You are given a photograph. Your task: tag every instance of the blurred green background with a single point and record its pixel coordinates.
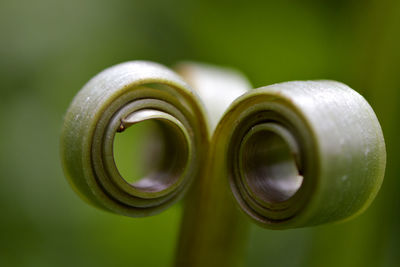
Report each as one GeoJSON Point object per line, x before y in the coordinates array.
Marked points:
{"type": "Point", "coordinates": [49, 49]}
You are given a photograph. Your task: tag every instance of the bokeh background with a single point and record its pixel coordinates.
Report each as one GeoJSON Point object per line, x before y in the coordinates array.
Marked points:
{"type": "Point", "coordinates": [49, 49]}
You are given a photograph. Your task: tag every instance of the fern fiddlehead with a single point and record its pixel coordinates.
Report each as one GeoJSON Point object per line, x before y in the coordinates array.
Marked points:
{"type": "Point", "coordinates": [294, 154]}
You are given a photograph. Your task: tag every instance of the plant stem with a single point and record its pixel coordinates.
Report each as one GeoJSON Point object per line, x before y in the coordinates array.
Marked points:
{"type": "Point", "coordinates": [213, 231]}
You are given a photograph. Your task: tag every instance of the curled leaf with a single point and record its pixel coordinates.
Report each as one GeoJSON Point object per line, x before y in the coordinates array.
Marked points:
{"type": "Point", "coordinates": [301, 153]}
{"type": "Point", "coordinates": [296, 154]}
{"type": "Point", "coordinates": [113, 100]}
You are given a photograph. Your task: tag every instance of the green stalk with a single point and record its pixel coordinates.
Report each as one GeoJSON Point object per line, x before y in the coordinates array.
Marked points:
{"type": "Point", "coordinates": [213, 230]}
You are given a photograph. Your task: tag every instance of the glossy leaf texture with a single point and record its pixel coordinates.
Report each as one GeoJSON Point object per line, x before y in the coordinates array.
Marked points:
{"type": "Point", "coordinates": [296, 154]}
{"type": "Point", "coordinates": [115, 99]}
{"type": "Point", "coordinates": [301, 153]}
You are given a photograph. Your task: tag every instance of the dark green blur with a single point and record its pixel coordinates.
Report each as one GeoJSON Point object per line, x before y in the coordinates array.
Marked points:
{"type": "Point", "coordinates": [49, 49]}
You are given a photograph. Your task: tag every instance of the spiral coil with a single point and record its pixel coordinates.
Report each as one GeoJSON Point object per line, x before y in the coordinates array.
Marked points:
{"type": "Point", "coordinates": [115, 99]}
{"type": "Point", "coordinates": [296, 154]}
{"type": "Point", "coordinates": [302, 153]}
